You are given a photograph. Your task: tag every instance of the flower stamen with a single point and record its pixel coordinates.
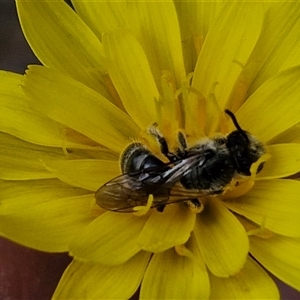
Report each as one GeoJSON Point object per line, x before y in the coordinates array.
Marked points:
{"type": "Point", "coordinates": [141, 210]}
{"type": "Point", "coordinates": [261, 231]}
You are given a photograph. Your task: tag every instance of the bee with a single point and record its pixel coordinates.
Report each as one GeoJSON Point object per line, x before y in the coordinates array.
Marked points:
{"type": "Point", "coordinates": [203, 169]}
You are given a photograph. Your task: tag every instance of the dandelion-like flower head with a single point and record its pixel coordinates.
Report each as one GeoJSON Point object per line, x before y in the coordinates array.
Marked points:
{"type": "Point", "coordinates": [110, 71]}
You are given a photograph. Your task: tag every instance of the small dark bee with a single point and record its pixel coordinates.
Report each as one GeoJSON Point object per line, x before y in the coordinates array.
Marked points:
{"type": "Point", "coordinates": [204, 169]}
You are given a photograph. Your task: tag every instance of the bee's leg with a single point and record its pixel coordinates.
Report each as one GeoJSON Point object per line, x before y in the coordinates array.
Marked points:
{"type": "Point", "coordinates": [181, 151]}
{"type": "Point", "coordinates": [164, 148]}
{"type": "Point", "coordinates": [160, 208]}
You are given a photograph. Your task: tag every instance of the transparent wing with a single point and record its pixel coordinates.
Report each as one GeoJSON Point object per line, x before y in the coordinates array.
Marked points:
{"type": "Point", "coordinates": [125, 192]}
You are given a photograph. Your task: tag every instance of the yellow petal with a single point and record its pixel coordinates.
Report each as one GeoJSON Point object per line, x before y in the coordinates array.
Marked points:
{"type": "Point", "coordinates": [156, 27]}
{"type": "Point", "coordinates": [222, 239]}
{"type": "Point", "coordinates": [92, 153]}
{"type": "Point", "coordinates": [102, 15]}
{"type": "Point", "coordinates": [62, 41]}
{"type": "Point", "coordinates": [276, 49]}
{"type": "Point", "coordinates": [110, 239]}
{"type": "Point", "coordinates": [20, 160]}
{"type": "Point", "coordinates": [291, 135]}
{"type": "Point", "coordinates": [276, 104]}
{"type": "Point", "coordinates": [171, 276]}
{"type": "Point", "coordinates": [167, 229]}
{"type": "Point", "coordinates": [273, 204]}
{"type": "Point", "coordinates": [43, 214]}
{"type": "Point", "coordinates": [75, 105]}
{"type": "Point", "coordinates": [16, 111]}
{"type": "Point", "coordinates": [278, 46]}
{"type": "Point", "coordinates": [228, 44]}
{"type": "Point", "coordinates": [284, 161]}
{"type": "Point", "coordinates": [131, 75]}
{"type": "Point", "coordinates": [280, 256]}
{"type": "Point", "coordinates": [89, 174]}
{"type": "Point", "coordinates": [195, 19]}
{"type": "Point", "coordinates": [252, 282]}
{"type": "Point", "coordinates": [96, 281]}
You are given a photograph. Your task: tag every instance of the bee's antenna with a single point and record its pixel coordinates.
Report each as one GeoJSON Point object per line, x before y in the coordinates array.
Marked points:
{"type": "Point", "coordinates": [236, 124]}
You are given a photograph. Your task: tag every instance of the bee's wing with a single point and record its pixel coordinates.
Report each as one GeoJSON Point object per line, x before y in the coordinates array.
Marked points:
{"type": "Point", "coordinates": [184, 167]}
{"type": "Point", "coordinates": [125, 192]}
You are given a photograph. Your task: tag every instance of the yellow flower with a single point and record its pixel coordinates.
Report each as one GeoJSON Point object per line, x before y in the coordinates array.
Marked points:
{"type": "Point", "coordinates": [112, 69]}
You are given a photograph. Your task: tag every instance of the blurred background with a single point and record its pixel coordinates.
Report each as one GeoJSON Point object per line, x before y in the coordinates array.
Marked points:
{"type": "Point", "coordinates": [26, 274]}
{"type": "Point", "coordinates": [15, 54]}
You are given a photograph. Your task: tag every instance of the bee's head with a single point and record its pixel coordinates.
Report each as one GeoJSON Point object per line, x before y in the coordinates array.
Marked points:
{"type": "Point", "coordinates": [244, 148]}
